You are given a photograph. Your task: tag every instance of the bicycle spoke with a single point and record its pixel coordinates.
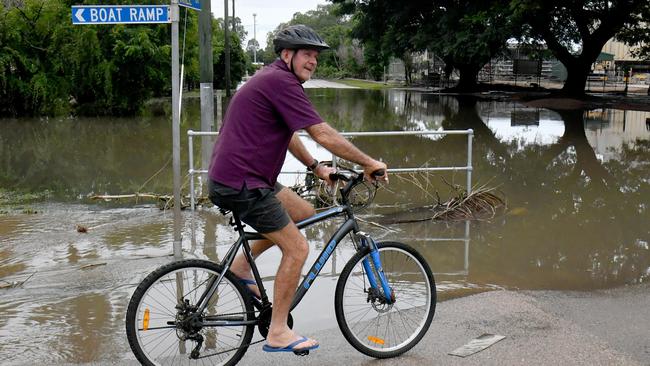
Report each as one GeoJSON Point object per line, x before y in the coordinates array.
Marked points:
{"type": "Point", "coordinates": [161, 343]}
{"type": "Point", "coordinates": [376, 327]}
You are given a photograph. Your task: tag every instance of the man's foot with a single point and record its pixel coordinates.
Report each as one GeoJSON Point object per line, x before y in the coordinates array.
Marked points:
{"type": "Point", "coordinates": [242, 270]}
{"type": "Point", "coordinates": [300, 345]}
{"type": "Point", "coordinates": [296, 347]}
{"type": "Point", "coordinates": [251, 287]}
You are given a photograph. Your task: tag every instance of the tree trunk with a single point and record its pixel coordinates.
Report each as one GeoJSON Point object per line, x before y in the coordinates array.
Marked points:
{"type": "Point", "coordinates": [408, 67]}
{"type": "Point", "coordinates": [468, 77]}
{"type": "Point", "coordinates": [577, 73]}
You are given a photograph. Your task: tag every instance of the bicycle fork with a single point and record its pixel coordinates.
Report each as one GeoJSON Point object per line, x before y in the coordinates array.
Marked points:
{"type": "Point", "coordinates": [373, 260]}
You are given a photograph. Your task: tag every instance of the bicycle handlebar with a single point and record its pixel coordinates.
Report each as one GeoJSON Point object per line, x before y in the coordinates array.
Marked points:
{"type": "Point", "coordinates": [339, 176]}
{"type": "Point", "coordinates": [378, 173]}
{"type": "Point", "coordinates": [352, 178]}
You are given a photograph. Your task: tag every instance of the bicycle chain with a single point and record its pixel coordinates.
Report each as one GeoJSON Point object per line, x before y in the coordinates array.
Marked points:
{"type": "Point", "coordinates": [229, 350]}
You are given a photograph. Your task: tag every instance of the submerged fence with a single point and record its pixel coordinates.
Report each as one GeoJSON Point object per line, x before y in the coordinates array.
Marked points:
{"type": "Point", "coordinates": [468, 168]}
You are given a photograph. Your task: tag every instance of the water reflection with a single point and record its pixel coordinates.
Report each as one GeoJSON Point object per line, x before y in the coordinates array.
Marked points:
{"type": "Point", "coordinates": [80, 329]}
{"type": "Point", "coordinates": [611, 131]}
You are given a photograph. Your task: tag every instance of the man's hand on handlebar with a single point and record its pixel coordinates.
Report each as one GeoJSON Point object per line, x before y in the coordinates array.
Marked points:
{"type": "Point", "coordinates": [376, 172]}
{"type": "Point", "coordinates": [323, 172]}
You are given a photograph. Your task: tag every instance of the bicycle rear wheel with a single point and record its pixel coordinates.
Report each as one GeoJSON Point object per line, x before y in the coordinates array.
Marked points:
{"type": "Point", "coordinates": [386, 330]}
{"type": "Point", "coordinates": [155, 326]}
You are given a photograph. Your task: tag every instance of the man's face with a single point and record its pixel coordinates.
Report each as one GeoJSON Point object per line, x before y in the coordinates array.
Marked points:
{"type": "Point", "coordinates": [304, 62]}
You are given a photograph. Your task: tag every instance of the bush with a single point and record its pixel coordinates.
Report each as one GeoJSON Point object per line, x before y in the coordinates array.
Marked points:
{"type": "Point", "coordinates": [330, 72]}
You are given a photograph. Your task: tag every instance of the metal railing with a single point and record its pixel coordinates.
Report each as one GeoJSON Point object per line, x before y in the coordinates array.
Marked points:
{"type": "Point", "coordinates": [467, 168]}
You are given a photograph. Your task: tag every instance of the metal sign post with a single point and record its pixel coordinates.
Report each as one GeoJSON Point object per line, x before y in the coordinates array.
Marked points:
{"type": "Point", "coordinates": [176, 131]}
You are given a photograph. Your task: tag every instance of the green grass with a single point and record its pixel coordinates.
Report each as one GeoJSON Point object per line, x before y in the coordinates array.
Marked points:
{"type": "Point", "coordinates": [14, 198]}
{"type": "Point", "coordinates": [15, 202]}
{"type": "Point", "coordinates": [364, 84]}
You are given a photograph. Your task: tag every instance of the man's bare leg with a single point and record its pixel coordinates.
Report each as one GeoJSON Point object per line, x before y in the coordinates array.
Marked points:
{"type": "Point", "coordinates": [294, 253]}
{"type": "Point", "coordinates": [297, 208]}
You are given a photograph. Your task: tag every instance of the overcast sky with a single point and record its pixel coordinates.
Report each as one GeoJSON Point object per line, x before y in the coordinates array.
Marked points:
{"type": "Point", "coordinates": [270, 13]}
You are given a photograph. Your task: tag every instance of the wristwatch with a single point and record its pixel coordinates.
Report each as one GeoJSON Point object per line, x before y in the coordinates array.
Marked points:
{"type": "Point", "coordinates": [313, 165]}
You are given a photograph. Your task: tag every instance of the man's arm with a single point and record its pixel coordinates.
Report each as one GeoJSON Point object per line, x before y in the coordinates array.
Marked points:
{"type": "Point", "coordinates": [297, 149]}
{"type": "Point", "coordinates": [330, 139]}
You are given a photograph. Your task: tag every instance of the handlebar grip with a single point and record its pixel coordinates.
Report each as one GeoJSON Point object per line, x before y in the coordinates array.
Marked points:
{"type": "Point", "coordinates": [378, 173]}
{"type": "Point", "coordinates": [337, 176]}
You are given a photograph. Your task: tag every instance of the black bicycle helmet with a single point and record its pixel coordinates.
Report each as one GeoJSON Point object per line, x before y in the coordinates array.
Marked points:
{"type": "Point", "coordinates": [299, 36]}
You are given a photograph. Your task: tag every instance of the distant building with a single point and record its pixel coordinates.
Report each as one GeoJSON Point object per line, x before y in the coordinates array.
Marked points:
{"type": "Point", "coordinates": [621, 57]}
{"type": "Point", "coordinates": [526, 64]}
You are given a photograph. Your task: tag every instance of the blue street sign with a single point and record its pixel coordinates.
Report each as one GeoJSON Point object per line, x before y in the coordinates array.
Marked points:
{"type": "Point", "coordinates": [193, 4]}
{"type": "Point", "coordinates": [120, 14]}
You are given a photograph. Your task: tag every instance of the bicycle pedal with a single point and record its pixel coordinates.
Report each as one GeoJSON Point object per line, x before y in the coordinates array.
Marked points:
{"type": "Point", "coordinates": [301, 353]}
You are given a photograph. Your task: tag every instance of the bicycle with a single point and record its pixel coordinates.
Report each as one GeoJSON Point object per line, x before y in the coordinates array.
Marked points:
{"type": "Point", "coordinates": [193, 310]}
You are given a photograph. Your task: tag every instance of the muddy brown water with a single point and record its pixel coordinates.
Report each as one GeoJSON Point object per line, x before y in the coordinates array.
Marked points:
{"type": "Point", "coordinates": [577, 186]}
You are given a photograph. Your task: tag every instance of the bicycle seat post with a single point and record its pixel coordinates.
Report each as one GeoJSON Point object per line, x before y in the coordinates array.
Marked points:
{"type": "Point", "coordinates": [236, 223]}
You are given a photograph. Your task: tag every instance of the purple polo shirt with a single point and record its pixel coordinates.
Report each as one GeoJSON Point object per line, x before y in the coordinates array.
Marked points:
{"type": "Point", "coordinates": [260, 121]}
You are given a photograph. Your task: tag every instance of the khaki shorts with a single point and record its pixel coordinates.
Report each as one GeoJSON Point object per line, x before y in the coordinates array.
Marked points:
{"type": "Point", "coordinates": [258, 207]}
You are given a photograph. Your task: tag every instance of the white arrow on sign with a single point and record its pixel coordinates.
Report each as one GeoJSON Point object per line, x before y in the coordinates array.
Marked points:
{"type": "Point", "coordinates": [79, 14]}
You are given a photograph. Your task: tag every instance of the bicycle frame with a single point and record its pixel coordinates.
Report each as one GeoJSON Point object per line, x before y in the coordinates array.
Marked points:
{"type": "Point", "coordinates": [350, 225]}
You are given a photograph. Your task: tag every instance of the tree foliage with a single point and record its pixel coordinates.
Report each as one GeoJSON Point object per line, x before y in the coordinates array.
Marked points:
{"type": "Point", "coordinates": [480, 31]}
{"type": "Point", "coordinates": [237, 55]}
{"type": "Point", "coordinates": [48, 66]}
{"type": "Point", "coordinates": [637, 33]}
{"type": "Point", "coordinates": [465, 34]}
{"type": "Point", "coordinates": [30, 69]}
{"type": "Point", "coordinates": [346, 55]}
{"type": "Point", "coordinates": [576, 31]}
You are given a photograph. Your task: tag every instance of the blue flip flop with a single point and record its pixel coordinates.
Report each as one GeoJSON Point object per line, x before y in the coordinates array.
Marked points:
{"type": "Point", "coordinates": [246, 282]}
{"type": "Point", "coordinates": [291, 347]}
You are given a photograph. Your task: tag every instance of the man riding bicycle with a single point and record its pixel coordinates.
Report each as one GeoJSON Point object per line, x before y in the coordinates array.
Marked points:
{"type": "Point", "coordinates": [260, 125]}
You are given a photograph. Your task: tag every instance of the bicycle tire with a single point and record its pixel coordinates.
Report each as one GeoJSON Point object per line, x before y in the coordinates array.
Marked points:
{"type": "Point", "coordinates": [354, 313]}
{"type": "Point", "coordinates": [157, 297]}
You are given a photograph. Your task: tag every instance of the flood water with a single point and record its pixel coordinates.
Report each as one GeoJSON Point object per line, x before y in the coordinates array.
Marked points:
{"type": "Point", "coordinates": [576, 183]}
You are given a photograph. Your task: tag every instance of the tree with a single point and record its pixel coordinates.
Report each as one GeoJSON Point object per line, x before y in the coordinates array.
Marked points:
{"type": "Point", "coordinates": [237, 56]}
{"type": "Point", "coordinates": [576, 31]}
{"type": "Point", "coordinates": [48, 66]}
{"type": "Point", "coordinates": [335, 29]}
{"type": "Point", "coordinates": [384, 29]}
{"type": "Point", "coordinates": [32, 71]}
{"type": "Point", "coordinates": [251, 49]}
{"type": "Point", "coordinates": [466, 34]}
{"type": "Point", "coordinates": [239, 28]}
{"type": "Point", "coordinates": [637, 33]}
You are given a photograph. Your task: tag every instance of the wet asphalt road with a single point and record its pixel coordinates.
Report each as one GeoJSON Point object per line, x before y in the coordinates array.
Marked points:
{"type": "Point", "coordinates": [541, 328]}
{"type": "Point", "coordinates": [319, 83]}
{"type": "Point", "coordinates": [609, 327]}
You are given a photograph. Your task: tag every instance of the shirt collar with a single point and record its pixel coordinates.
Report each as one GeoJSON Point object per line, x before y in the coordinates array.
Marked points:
{"type": "Point", "coordinates": [281, 65]}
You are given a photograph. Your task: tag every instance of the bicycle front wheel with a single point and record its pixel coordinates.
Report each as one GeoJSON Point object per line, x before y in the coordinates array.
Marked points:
{"type": "Point", "coordinates": [386, 330]}
{"type": "Point", "coordinates": [164, 328]}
